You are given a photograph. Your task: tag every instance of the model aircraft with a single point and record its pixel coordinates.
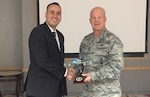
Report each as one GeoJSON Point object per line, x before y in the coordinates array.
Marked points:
{"type": "Point", "coordinates": [76, 61]}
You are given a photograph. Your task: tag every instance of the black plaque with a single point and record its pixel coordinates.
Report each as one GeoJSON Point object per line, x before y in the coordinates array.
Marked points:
{"type": "Point", "coordinates": [79, 79]}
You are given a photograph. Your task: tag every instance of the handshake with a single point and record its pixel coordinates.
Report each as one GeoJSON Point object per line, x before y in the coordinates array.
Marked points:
{"type": "Point", "coordinates": [70, 74]}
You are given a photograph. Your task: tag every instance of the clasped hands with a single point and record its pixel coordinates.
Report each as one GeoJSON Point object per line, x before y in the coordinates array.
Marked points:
{"type": "Point", "coordinates": [71, 75]}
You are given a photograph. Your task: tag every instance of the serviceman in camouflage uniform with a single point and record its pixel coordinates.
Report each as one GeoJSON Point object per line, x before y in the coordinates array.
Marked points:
{"type": "Point", "coordinates": [105, 50]}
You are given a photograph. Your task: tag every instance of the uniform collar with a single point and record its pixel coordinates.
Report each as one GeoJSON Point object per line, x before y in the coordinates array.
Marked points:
{"type": "Point", "coordinates": [100, 37]}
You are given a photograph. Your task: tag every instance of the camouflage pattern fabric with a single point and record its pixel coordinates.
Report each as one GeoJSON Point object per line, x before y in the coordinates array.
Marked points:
{"type": "Point", "coordinates": [106, 55]}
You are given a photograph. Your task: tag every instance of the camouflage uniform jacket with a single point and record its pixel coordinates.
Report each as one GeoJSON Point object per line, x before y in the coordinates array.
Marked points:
{"type": "Point", "coordinates": [106, 55]}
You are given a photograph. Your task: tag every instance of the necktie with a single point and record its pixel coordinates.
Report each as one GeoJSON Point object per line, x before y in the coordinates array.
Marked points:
{"type": "Point", "coordinates": [54, 34]}
{"type": "Point", "coordinates": [57, 40]}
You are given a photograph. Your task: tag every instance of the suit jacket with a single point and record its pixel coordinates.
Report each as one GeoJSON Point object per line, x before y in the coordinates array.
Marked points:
{"type": "Point", "coordinates": [45, 77]}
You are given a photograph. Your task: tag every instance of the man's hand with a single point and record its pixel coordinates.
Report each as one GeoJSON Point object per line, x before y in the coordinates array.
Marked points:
{"type": "Point", "coordinates": [88, 77]}
{"type": "Point", "coordinates": [70, 74]}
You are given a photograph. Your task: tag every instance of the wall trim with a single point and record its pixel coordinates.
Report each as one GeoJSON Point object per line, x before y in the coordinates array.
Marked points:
{"type": "Point", "coordinates": [126, 68]}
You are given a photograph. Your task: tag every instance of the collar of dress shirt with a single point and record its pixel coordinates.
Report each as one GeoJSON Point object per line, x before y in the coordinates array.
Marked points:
{"type": "Point", "coordinates": [52, 30]}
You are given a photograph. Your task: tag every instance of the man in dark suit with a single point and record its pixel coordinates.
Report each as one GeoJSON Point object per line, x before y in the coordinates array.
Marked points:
{"type": "Point", "coordinates": [46, 75]}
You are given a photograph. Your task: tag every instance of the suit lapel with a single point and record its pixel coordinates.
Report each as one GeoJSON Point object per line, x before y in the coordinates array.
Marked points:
{"type": "Point", "coordinates": [51, 35]}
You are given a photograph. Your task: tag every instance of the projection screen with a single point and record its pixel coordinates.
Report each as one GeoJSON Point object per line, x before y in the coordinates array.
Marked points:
{"type": "Point", "coordinates": [125, 18]}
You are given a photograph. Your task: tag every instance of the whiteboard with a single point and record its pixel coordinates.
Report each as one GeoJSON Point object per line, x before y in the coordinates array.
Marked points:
{"type": "Point", "coordinates": [125, 18]}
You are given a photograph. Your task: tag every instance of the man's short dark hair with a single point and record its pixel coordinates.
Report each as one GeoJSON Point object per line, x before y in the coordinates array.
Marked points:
{"type": "Point", "coordinates": [53, 3]}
